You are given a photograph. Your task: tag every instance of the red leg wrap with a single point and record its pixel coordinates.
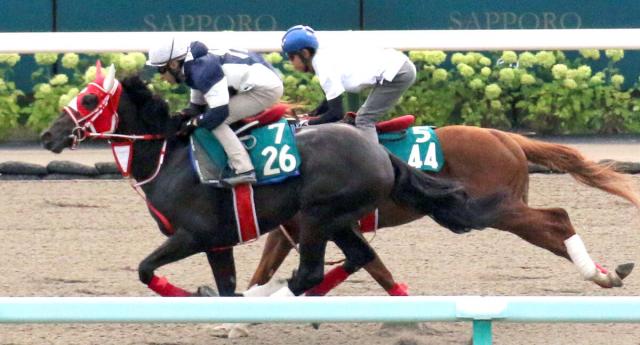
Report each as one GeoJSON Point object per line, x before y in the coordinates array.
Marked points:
{"type": "Point", "coordinates": [399, 289]}
{"type": "Point", "coordinates": [162, 287]}
{"type": "Point", "coordinates": [332, 279]}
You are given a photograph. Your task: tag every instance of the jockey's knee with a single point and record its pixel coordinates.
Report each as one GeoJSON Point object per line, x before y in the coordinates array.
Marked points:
{"type": "Point", "coordinates": [366, 120]}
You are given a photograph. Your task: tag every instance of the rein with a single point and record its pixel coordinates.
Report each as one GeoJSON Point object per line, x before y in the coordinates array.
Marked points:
{"type": "Point", "coordinates": [125, 171]}
{"type": "Point", "coordinates": [82, 132]}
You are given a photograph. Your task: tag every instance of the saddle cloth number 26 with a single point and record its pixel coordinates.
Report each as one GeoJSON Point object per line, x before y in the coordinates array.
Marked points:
{"type": "Point", "coordinates": [285, 161]}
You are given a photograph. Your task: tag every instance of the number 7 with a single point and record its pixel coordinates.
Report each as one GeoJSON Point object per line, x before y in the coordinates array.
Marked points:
{"type": "Point", "coordinates": [280, 130]}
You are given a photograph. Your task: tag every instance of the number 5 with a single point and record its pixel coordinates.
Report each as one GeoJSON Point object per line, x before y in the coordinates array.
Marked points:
{"type": "Point", "coordinates": [424, 132]}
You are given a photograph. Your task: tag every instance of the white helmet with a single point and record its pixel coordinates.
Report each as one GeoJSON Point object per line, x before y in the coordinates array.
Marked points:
{"type": "Point", "coordinates": [169, 49]}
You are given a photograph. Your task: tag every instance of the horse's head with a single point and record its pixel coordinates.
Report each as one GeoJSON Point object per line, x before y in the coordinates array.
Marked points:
{"type": "Point", "coordinates": [93, 111]}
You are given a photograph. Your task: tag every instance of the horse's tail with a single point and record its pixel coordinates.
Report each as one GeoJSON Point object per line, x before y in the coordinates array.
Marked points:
{"type": "Point", "coordinates": [443, 199]}
{"type": "Point", "coordinates": [569, 160]}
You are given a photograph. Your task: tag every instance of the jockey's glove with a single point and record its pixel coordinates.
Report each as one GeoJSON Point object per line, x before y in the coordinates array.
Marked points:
{"type": "Point", "coordinates": [192, 110]}
{"type": "Point", "coordinates": [187, 128]}
{"type": "Point", "coordinates": [302, 123]}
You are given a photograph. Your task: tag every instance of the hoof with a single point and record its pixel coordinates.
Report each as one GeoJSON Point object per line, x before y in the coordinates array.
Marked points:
{"type": "Point", "coordinates": [239, 330]}
{"type": "Point", "coordinates": [231, 330]}
{"type": "Point", "coordinates": [205, 291]}
{"type": "Point", "coordinates": [624, 270]}
{"type": "Point", "coordinates": [608, 280]}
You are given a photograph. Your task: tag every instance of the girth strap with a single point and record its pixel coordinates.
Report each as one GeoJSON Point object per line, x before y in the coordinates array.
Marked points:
{"type": "Point", "coordinates": [245, 213]}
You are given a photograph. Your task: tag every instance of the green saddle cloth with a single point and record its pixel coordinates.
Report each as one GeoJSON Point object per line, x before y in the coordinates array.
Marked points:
{"type": "Point", "coordinates": [272, 149]}
{"type": "Point", "coordinates": [418, 146]}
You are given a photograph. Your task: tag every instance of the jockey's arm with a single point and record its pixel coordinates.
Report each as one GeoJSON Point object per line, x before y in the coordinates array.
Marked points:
{"type": "Point", "coordinates": [320, 108]}
{"type": "Point", "coordinates": [213, 117]}
{"type": "Point", "coordinates": [333, 113]}
{"type": "Point", "coordinates": [216, 101]}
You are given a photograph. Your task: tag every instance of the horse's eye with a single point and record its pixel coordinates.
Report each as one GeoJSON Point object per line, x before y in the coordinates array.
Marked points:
{"type": "Point", "coordinates": [89, 101]}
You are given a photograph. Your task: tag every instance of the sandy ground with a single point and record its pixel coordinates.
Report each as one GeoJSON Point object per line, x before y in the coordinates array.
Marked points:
{"type": "Point", "coordinates": [86, 238]}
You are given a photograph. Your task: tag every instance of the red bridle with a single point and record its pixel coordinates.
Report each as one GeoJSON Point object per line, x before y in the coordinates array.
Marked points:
{"type": "Point", "coordinates": [101, 120]}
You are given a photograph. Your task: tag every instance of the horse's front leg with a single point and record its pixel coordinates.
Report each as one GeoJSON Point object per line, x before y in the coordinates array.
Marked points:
{"type": "Point", "coordinates": [224, 271]}
{"type": "Point", "coordinates": [276, 249]}
{"type": "Point", "coordinates": [223, 267]}
{"type": "Point", "coordinates": [176, 247]}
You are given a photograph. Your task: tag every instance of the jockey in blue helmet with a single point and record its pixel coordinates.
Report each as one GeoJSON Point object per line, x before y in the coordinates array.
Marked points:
{"type": "Point", "coordinates": [387, 72]}
{"type": "Point", "coordinates": [227, 85]}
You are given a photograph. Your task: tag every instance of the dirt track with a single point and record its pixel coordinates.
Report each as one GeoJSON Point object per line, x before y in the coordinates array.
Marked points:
{"type": "Point", "coordinates": [86, 238]}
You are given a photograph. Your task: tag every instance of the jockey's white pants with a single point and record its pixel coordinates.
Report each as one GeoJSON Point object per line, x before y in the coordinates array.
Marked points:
{"type": "Point", "coordinates": [242, 105]}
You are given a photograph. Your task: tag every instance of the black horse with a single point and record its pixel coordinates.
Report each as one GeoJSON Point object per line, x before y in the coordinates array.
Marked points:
{"type": "Point", "coordinates": [343, 177]}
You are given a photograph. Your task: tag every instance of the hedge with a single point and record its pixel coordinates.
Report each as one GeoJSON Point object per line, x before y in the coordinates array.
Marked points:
{"type": "Point", "coordinates": [544, 92]}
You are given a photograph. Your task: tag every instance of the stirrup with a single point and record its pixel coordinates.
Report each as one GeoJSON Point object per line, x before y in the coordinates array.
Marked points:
{"type": "Point", "coordinates": [236, 179]}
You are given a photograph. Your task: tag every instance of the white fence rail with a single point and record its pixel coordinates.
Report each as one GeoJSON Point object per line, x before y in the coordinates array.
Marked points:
{"type": "Point", "coordinates": [482, 311]}
{"type": "Point", "coordinates": [266, 41]}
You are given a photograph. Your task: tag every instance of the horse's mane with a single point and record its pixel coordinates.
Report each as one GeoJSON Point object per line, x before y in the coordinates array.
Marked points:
{"type": "Point", "coordinates": [152, 109]}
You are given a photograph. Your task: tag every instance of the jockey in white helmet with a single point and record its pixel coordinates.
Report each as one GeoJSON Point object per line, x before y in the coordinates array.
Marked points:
{"type": "Point", "coordinates": [226, 86]}
{"type": "Point", "coordinates": [387, 72]}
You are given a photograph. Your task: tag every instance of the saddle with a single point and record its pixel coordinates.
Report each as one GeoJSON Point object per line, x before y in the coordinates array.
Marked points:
{"type": "Point", "coordinates": [268, 116]}
{"type": "Point", "coordinates": [269, 140]}
{"type": "Point", "coordinates": [401, 123]}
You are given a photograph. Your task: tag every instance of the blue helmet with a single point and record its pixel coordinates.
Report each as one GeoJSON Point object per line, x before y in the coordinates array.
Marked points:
{"type": "Point", "coordinates": [298, 38]}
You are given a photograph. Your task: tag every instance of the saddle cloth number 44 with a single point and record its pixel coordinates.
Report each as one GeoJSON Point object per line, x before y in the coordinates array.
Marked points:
{"type": "Point", "coordinates": [415, 157]}
{"type": "Point", "coordinates": [418, 146]}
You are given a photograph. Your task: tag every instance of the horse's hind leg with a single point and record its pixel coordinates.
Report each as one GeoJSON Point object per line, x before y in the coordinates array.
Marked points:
{"type": "Point", "coordinates": [313, 242]}
{"type": "Point", "coordinates": [360, 254]}
{"type": "Point", "coordinates": [311, 267]}
{"type": "Point", "coordinates": [551, 229]}
{"type": "Point", "coordinates": [176, 247]}
{"type": "Point", "coordinates": [375, 267]}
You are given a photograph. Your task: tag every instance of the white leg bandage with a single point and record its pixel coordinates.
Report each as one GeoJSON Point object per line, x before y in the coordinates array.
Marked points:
{"type": "Point", "coordinates": [578, 254]}
{"type": "Point", "coordinates": [265, 290]}
{"type": "Point", "coordinates": [283, 292]}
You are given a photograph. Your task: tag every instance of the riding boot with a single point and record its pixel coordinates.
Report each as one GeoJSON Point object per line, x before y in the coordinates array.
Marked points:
{"type": "Point", "coordinates": [243, 170]}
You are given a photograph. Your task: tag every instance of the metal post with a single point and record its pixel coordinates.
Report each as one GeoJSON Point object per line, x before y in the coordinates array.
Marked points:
{"type": "Point", "coordinates": [482, 334]}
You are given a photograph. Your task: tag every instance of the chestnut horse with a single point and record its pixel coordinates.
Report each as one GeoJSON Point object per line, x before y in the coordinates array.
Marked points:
{"type": "Point", "coordinates": [487, 160]}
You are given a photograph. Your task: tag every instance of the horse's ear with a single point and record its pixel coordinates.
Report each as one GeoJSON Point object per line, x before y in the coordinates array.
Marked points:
{"type": "Point", "coordinates": [109, 80]}
{"type": "Point", "coordinates": [98, 69]}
